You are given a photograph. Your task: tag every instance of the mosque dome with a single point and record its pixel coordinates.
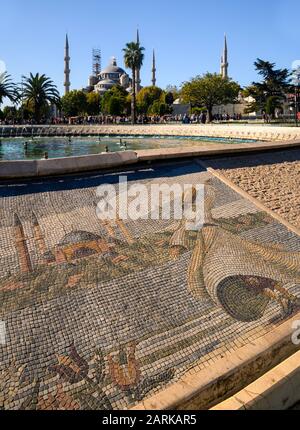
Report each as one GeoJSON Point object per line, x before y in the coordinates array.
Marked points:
{"type": "Point", "coordinates": [113, 69]}
{"type": "Point", "coordinates": [78, 237]}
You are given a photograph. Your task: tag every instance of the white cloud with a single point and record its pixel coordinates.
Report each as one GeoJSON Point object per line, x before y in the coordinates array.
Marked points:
{"type": "Point", "coordinates": [295, 64]}
{"type": "Point", "coordinates": [2, 67]}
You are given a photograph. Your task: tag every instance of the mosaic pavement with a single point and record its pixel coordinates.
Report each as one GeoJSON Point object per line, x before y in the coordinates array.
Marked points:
{"type": "Point", "coordinates": [103, 315]}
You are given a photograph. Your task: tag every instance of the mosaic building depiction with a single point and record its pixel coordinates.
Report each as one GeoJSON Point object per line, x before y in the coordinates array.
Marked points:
{"type": "Point", "coordinates": [103, 314]}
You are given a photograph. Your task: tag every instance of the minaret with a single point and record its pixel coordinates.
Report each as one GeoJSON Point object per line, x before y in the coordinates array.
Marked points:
{"type": "Point", "coordinates": [138, 72]}
{"type": "Point", "coordinates": [153, 70]}
{"type": "Point", "coordinates": [38, 236]}
{"type": "Point", "coordinates": [67, 67]}
{"type": "Point", "coordinates": [21, 245]}
{"type": "Point", "coordinates": [224, 61]}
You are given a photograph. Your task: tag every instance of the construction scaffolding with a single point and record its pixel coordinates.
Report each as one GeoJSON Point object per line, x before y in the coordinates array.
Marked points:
{"type": "Point", "coordinates": [96, 61]}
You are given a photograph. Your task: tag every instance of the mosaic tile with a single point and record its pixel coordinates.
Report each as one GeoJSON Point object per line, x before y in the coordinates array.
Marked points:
{"type": "Point", "coordinates": [101, 315]}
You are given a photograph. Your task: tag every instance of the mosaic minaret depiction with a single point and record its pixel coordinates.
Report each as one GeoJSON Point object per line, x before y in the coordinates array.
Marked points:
{"type": "Point", "coordinates": [21, 245]}
{"type": "Point", "coordinates": [153, 70]}
{"type": "Point", "coordinates": [138, 71]}
{"type": "Point", "coordinates": [224, 60]}
{"type": "Point", "coordinates": [67, 83]}
{"type": "Point", "coordinates": [38, 235]}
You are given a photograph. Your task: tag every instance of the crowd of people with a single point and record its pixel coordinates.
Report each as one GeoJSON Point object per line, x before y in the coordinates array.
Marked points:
{"type": "Point", "coordinates": [200, 118]}
{"type": "Point", "coordinates": [144, 119]}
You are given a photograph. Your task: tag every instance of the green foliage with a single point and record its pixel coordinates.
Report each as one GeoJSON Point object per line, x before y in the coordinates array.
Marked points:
{"type": "Point", "coordinates": [172, 89]}
{"type": "Point", "coordinates": [210, 90]}
{"type": "Point", "coordinates": [115, 106]}
{"type": "Point", "coordinates": [158, 108]}
{"type": "Point", "coordinates": [74, 103]}
{"type": "Point", "coordinates": [146, 97]}
{"type": "Point", "coordinates": [114, 101]}
{"type": "Point", "coordinates": [198, 110]}
{"type": "Point", "coordinates": [10, 112]}
{"type": "Point", "coordinates": [93, 104]}
{"type": "Point", "coordinates": [169, 98]}
{"type": "Point", "coordinates": [38, 93]}
{"type": "Point", "coordinates": [270, 93]}
{"type": "Point", "coordinates": [7, 88]}
{"type": "Point", "coordinates": [154, 101]}
{"type": "Point", "coordinates": [272, 104]}
{"type": "Point", "coordinates": [133, 59]}
{"type": "Point", "coordinates": [133, 56]}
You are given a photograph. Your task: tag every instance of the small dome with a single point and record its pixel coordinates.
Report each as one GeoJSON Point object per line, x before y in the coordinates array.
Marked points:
{"type": "Point", "coordinates": [106, 82]}
{"type": "Point", "coordinates": [78, 237]}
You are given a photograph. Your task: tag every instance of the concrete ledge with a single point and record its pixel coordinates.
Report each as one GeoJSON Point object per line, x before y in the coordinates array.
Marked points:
{"type": "Point", "coordinates": [278, 389]}
{"type": "Point", "coordinates": [57, 166]}
{"type": "Point", "coordinates": [18, 169]}
{"type": "Point", "coordinates": [205, 388]}
{"type": "Point", "coordinates": [212, 149]}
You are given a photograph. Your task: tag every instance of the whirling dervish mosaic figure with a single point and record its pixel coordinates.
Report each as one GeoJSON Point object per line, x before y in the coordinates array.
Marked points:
{"type": "Point", "coordinates": [241, 276]}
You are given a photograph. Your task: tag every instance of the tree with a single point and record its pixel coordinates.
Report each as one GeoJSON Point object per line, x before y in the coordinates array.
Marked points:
{"type": "Point", "coordinates": [7, 88]}
{"type": "Point", "coordinates": [133, 58]}
{"type": "Point", "coordinates": [158, 108]}
{"type": "Point", "coordinates": [269, 94]}
{"type": "Point", "coordinates": [172, 89]}
{"type": "Point", "coordinates": [39, 92]}
{"type": "Point", "coordinates": [74, 103]}
{"type": "Point", "coordinates": [210, 90]}
{"type": "Point", "coordinates": [93, 103]}
{"type": "Point", "coordinates": [146, 97]}
{"type": "Point", "coordinates": [169, 98]}
{"type": "Point", "coordinates": [113, 101]}
{"type": "Point", "coordinates": [10, 112]}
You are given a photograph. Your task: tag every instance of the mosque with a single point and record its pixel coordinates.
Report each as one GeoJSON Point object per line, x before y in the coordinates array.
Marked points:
{"type": "Point", "coordinates": [108, 77]}
{"type": "Point", "coordinates": [103, 80]}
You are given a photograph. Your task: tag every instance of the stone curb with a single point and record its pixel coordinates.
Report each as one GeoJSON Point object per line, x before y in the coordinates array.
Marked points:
{"type": "Point", "coordinates": [278, 389]}
{"type": "Point", "coordinates": [205, 388]}
{"type": "Point", "coordinates": [212, 150]}
{"type": "Point", "coordinates": [58, 166]}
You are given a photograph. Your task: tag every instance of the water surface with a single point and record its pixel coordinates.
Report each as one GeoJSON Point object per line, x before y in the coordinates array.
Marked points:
{"type": "Point", "coordinates": [57, 147]}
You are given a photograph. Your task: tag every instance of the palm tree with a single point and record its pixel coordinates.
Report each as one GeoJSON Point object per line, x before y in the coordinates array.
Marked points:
{"type": "Point", "coordinates": [133, 58]}
{"type": "Point", "coordinates": [38, 92]}
{"type": "Point", "coordinates": [7, 88]}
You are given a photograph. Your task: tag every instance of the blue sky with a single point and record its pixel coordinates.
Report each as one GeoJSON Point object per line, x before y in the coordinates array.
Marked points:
{"type": "Point", "coordinates": [187, 36]}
